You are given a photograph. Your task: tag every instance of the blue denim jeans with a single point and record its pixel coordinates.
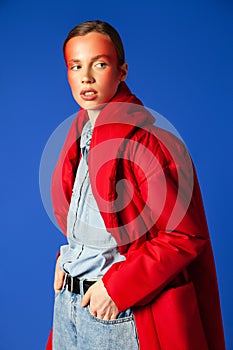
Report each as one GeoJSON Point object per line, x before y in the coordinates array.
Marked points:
{"type": "Point", "coordinates": [74, 328]}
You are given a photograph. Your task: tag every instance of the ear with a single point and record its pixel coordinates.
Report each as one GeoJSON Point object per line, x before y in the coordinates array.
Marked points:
{"type": "Point", "coordinates": [123, 71]}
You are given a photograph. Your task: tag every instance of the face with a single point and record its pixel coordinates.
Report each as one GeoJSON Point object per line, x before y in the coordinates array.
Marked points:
{"type": "Point", "coordinates": [93, 70]}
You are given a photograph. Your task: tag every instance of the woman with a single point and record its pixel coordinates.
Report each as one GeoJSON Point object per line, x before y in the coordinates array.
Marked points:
{"type": "Point", "coordinates": [137, 270]}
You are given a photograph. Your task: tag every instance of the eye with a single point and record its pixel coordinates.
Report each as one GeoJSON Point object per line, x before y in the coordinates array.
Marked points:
{"type": "Point", "coordinates": [75, 67]}
{"type": "Point", "coordinates": [101, 65]}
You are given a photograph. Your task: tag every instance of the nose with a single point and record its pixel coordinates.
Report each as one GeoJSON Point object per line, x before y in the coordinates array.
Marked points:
{"type": "Point", "coordinates": [87, 77]}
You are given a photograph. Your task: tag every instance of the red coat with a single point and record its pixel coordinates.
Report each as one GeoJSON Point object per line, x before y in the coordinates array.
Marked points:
{"type": "Point", "coordinates": [148, 194]}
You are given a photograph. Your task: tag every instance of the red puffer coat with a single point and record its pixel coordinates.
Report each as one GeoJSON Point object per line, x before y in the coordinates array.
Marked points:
{"type": "Point", "coordinates": [148, 194]}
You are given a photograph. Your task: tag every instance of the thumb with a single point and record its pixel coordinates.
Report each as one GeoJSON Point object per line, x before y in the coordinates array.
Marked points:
{"type": "Point", "coordinates": [59, 279]}
{"type": "Point", "coordinates": [59, 276]}
{"type": "Point", "coordinates": [86, 298]}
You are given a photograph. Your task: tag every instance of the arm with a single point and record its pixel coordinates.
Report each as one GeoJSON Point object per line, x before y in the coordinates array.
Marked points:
{"type": "Point", "coordinates": [170, 245]}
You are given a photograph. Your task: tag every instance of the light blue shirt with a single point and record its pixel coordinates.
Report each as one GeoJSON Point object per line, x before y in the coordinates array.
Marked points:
{"type": "Point", "coordinates": [91, 249]}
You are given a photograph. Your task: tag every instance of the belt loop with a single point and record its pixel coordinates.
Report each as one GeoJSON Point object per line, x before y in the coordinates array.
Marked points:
{"type": "Point", "coordinates": [72, 284]}
{"type": "Point", "coordinates": [81, 286]}
{"type": "Point", "coordinates": [65, 281]}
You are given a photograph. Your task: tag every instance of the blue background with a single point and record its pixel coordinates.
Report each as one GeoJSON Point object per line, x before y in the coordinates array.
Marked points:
{"type": "Point", "coordinates": [180, 56]}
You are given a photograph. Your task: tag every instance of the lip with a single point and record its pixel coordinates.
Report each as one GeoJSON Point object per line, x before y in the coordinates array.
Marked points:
{"type": "Point", "coordinates": [88, 97]}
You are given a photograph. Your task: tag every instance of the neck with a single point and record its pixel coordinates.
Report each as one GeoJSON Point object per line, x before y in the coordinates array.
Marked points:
{"type": "Point", "coordinates": [93, 114]}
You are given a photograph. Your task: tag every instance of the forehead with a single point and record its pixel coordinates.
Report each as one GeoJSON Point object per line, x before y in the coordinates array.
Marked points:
{"type": "Point", "coordinates": [88, 46]}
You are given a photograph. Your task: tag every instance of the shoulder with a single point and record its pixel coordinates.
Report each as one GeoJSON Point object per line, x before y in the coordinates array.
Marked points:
{"type": "Point", "coordinates": [160, 142]}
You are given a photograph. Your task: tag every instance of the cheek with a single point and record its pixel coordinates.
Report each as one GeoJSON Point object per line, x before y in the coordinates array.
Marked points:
{"type": "Point", "coordinates": [73, 82]}
{"type": "Point", "coordinates": [111, 80]}
{"type": "Point", "coordinates": [70, 80]}
{"type": "Point", "coordinates": [111, 74]}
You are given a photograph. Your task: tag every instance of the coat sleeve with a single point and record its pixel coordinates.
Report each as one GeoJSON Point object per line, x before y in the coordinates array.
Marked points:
{"type": "Point", "coordinates": [167, 183]}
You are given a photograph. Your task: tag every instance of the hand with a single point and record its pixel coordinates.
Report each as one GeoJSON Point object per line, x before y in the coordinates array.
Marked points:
{"type": "Point", "coordinates": [58, 277]}
{"type": "Point", "coordinates": [100, 303]}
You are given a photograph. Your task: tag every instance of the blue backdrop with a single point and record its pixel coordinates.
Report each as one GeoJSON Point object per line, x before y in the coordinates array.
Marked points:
{"type": "Point", "coordinates": [180, 56]}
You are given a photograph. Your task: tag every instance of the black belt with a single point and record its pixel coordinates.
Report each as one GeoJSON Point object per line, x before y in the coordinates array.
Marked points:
{"type": "Point", "coordinates": [73, 284]}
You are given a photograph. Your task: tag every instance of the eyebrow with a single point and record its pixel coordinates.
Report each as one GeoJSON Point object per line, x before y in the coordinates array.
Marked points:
{"type": "Point", "coordinates": [73, 60]}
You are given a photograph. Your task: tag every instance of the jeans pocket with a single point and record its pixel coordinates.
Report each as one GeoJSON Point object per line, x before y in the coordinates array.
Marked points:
{"type": "Point", "coordinates": [56, 294]}
{"type": "Point", "coordinates": [125, 316]}
{"type": "Point", "coordinates": [59, 292]}
{"type": "Point", "coordinates": [117, 334]}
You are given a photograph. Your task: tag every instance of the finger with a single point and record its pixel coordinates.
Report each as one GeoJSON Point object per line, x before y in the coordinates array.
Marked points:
{"type": "Point", "coordinates": [86, 298]}
{"type": "Point", "coordinates": [103, 316]}
{"type": "Point", "coordinates": [106, 317]}
{"type": "Point", "coordinates": [113, 316]}
{"type": "Point", "coordinates": [58, 276]}
{"type": "Point", "coordinates": [59, 280]}
{"type": "Point", "coordinates": [93, 313]}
